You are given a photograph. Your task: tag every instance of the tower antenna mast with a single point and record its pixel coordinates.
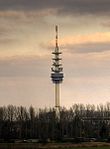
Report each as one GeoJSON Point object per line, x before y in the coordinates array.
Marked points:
{"type": "Point", "coordinates": [56, 27]}
{"type": "Point", "coordinates": [57, 72]}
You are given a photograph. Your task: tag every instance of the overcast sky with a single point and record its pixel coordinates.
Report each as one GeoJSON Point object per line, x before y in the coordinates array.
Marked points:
{"type": "Point", "coordinates": [27, 38]}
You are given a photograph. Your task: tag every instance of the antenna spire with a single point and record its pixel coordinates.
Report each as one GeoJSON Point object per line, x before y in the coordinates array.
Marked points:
{"type": "Point", "coordinates": [56, 28]}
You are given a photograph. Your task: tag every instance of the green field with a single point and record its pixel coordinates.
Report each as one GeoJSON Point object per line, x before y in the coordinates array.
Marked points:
{"type": "Point", "coordinates": [96, 145]}
{"type": "Point", "coordinates": [62, 148]}
{"type": "Point", "coordinates": [87, 148]}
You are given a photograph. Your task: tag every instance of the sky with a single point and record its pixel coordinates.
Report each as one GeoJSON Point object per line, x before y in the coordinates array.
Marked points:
{"type": "Point", "coordinates": [27, 39]}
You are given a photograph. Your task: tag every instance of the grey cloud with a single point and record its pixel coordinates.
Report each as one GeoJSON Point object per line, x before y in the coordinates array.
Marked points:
{"type": "Point", "coordinates": [106, 24]}
{"type": "Point", "coordinates": [62, 6]}
{"type": "Point", "coordinates": [23, 67]}
{"type": "Point", "coordinates": [88, 48]}
{"type": "Point", "coordinates": [8, 41]}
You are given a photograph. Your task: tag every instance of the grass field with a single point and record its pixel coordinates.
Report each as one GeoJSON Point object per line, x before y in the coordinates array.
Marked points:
{"type": "Point", "coordinates": [87, 148]}
{"type": "Point", "coordinates": [94, 145]}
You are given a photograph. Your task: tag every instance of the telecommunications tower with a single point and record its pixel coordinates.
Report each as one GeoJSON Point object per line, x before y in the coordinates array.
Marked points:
{"type": "Point", "coordinates": [57, 71]}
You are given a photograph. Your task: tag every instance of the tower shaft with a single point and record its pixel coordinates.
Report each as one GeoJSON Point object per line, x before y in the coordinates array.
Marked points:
{"type": "Point", "coordinates": [57, 95]}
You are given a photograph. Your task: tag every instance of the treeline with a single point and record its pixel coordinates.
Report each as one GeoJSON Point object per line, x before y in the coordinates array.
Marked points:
{"type": "Point", "coordinates": [86, 121]}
